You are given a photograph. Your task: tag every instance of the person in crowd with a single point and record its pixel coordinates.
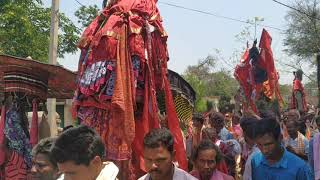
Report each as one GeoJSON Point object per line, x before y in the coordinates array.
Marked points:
{"type": "Point", "coordinates": [159, 155]}
{"type": "Point", "coordinates": [235, 129]}
{"type": "Point", "coordinates": [274, 161]}
{"type": "Point", "coordinates": [314, 152]}
{"type": "Point", "coordinates": [194, 134]}
{"type": "Point", "coordinates": [216, 120]}
{"type": "Point", "coordinates": [228, 121]}
{"type": "Point", "coordinates": [298, 98]}
{"type": "Point", "coordinates": [80, 153]}
{"type": "Point", "coordinates": [43, 166]}
{"type": "Point", "coordinates": [249, 147]}
{"type": "Point", "coordinates": [293, 115]}
{"type": "Point", "coordinates": [296, 143]}
{"type": "Point", "coordinates": [197, 123]}
{"type": "Point", "coordinates": [210, 134]}
{"type": "Point", "coordinates": [231, 151]}
{"type": "Point", "coordinates": [206, 157]}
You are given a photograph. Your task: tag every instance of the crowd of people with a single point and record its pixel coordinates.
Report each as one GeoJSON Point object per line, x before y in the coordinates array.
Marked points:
{"type": "Point", "coordinates": [219, 147]}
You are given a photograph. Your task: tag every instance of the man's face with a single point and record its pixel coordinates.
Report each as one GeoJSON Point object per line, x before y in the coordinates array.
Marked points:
{"type": "Point", "coordinates": [158, 162]}
{"type": "Point", "coordinates": [73, 171]}
{"type": "Point", "coordinates": [292, 129]}
{"type": "Point", "coordinates": [227, 117]}
{"type": "Point", "coordinates": [206, 163]}
{"type": "Point", "coordinates": [42, 168]}
{"type": "Point", "coordinates": [197, 124]}
{"type": "Point", "coordinates": [292, 116]}
{"type": "Point", "coordinates": [268, 146]}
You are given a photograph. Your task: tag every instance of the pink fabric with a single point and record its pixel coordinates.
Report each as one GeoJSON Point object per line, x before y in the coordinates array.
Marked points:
{"type": "Point", "coordinates": [2, 137]}
{"type": "Point", "coordinates": [216, 175]}
{"type": "Point", "coordinates": [316, 156]}
{"type": "Point", "coordinates": [34, 125]}
{"type": "Point", "coordinates": [237, 131]}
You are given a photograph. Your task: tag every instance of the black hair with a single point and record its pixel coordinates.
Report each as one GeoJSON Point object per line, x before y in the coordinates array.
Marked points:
{"type": "Point", "coordinates": [159, 137]}
{"type": "Point", "coordinates": [299, 74]}
{"type": "Point", "coordinates": [67, 127]}
{"type": "Point", "coordinates": [267, 114]}
{"type": "Point", "coordinates": [198, 117]}
{"type": "Point", "coordinates": [248, 126]}
{"type": "Point", "coordinates": [80, 145]}
{"type": "Point", "coordinates": [209, 131]}
{"type": "Point", "coordinates": [44, 147]}
{"type": "Point", "coordinates": [267, 126]}
{"type": "Point", "coordinates": [206, 145]}
{"type": "Point", "coordinates": [216, 117]}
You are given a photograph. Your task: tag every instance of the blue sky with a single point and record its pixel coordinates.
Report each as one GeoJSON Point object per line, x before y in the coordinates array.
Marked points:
{"type": "Point", "coordinates": [193, 36]}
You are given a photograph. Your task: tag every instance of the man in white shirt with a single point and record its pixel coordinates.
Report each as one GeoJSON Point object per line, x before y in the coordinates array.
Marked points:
{"type": "Point", "coordinates": [249, 148]}
{"type": "Point", "coordinates": [79, 153]}
{"type": "Point", "coordinates": [159, 155]}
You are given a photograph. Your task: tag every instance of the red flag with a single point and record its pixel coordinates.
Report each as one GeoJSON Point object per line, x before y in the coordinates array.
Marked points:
{"type": "Point", "coordinates": [243, 73]}
{"type": "Point", "coordinates": [266, 60]}
{"type": "Point", "coordinates": [174, 127]}
{"type": "Point", "coordinates": [34, 124]}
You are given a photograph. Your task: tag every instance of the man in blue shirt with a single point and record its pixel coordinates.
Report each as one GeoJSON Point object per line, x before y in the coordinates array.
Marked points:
{"type": "Point", "coordinates": [274, 161]}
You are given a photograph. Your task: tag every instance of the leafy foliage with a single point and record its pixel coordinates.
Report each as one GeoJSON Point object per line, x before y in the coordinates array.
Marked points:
{"type": "Point", "coordinates": [209, 82]}
{"type": "Point", "coordinates": [302, 35]}
{"type": "Point", "coordinates": [86, 14]}
{"type": "Point", "coordinates": [25, 30]}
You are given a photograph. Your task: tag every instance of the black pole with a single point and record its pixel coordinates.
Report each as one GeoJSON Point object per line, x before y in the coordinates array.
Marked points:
{"type": "Point", "coordinates": [318, 77]}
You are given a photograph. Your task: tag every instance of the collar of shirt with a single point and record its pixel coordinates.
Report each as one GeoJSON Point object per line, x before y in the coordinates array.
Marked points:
{"type": "Point", "coordinates": [282, 163]}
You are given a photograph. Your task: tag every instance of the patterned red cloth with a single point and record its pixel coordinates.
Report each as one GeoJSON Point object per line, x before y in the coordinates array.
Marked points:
{"type": "Point", "coordinates": [127, 31]}
{"type": "Point", "coordinates": [244, 77]}
{"type": "Point", "coordinates": [16, 168]}
{"type": "Point", "coordinates": [2, 136]}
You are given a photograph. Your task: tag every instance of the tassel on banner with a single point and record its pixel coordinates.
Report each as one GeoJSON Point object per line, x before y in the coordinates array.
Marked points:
{"type": "Point", "coordinates": [34, 131]}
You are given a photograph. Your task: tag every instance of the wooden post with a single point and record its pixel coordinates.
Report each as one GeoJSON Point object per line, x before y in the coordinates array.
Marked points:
{"type": "Point", "coordinates": [53, 49]}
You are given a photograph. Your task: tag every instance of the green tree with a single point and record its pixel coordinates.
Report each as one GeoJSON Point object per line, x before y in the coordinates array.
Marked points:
{"type": "Point", "coordinates": [25, 30]}
{"type": "Point", "coordinates": [208, 81]}
{"type": "Point", "coordinates": [86, 14]}
{"type": "Point", "coordinates": [285, 91]}
{"type": "Point", "coordinates": [222, 84]}
{"type": "Point", "coordinates": [302, 35]}
{"type": "Point", "coordinates": [199, 87]}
